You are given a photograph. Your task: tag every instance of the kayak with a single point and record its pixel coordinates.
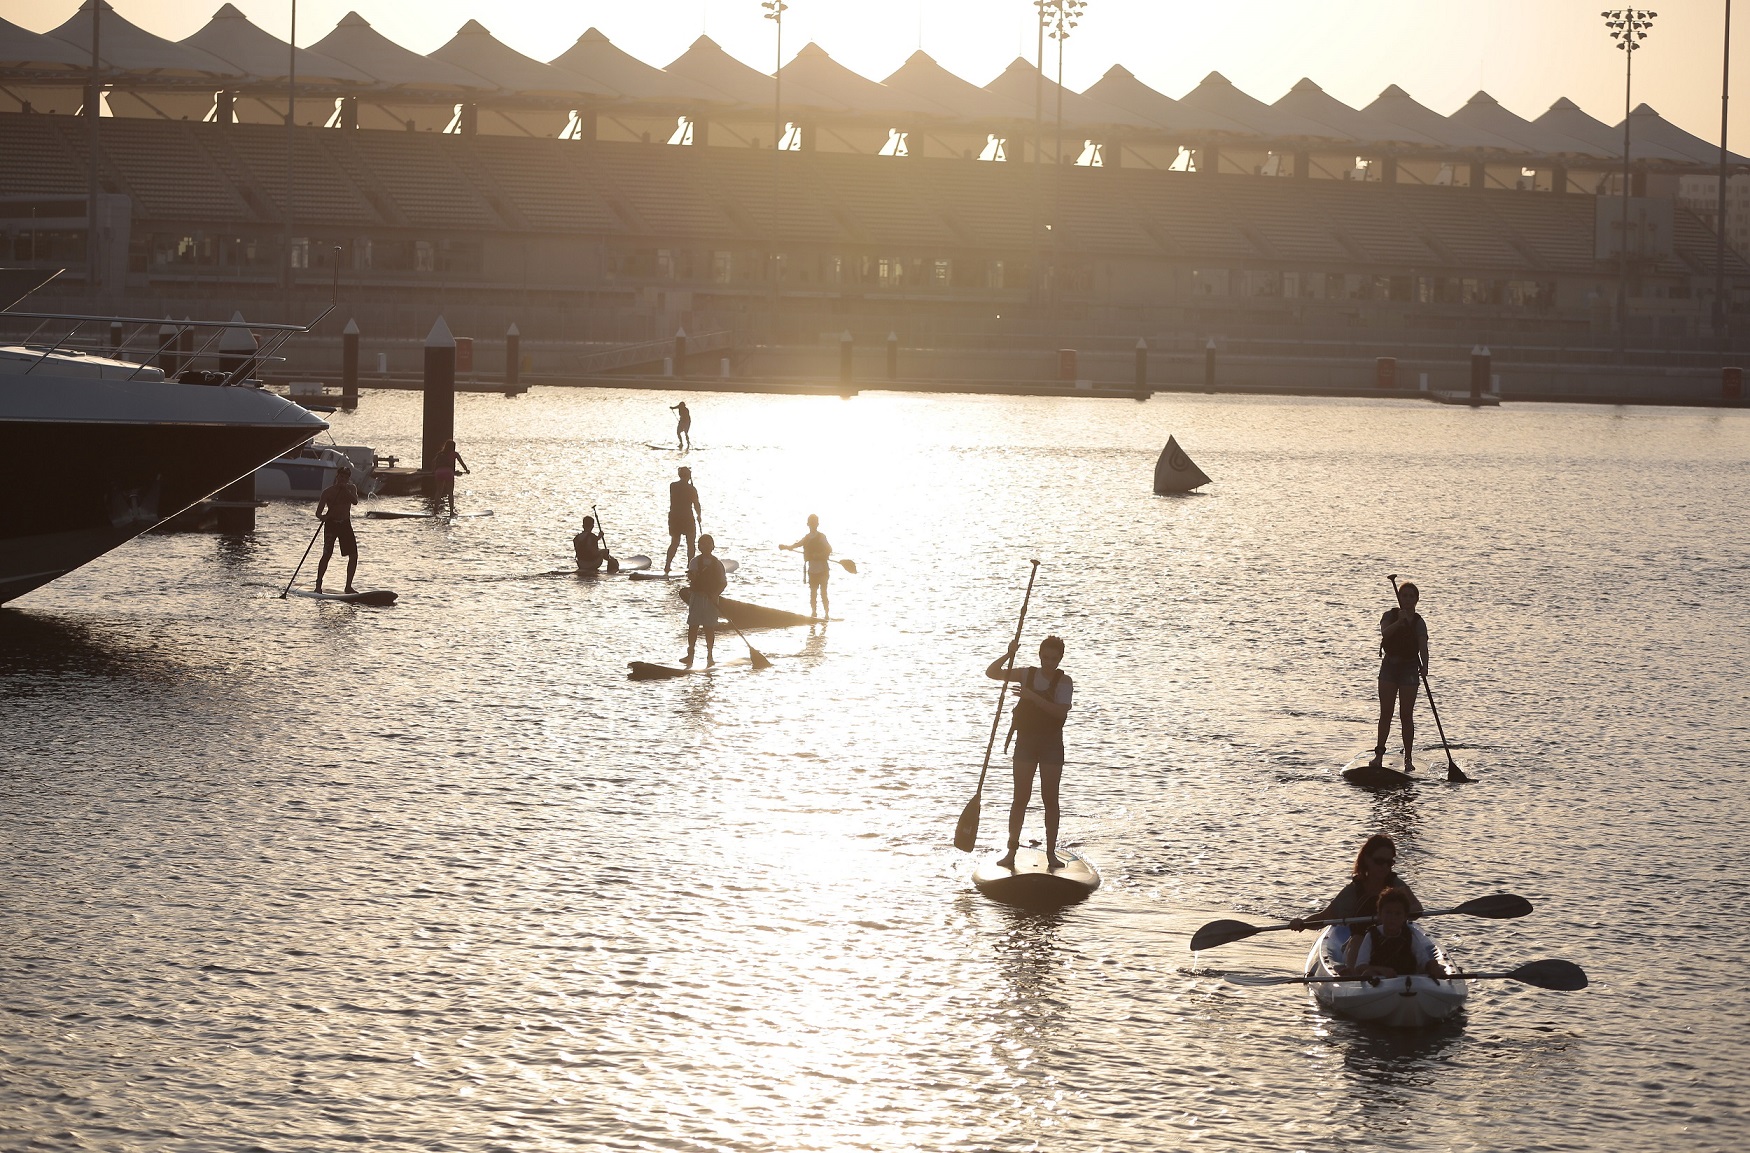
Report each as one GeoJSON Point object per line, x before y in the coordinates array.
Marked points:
{"type": "Point", "coordinates": [385, 514]}
{"type": "Point", "coordinates": [1401, 1002]}
{"type": "Point", "coordinates": [1030, 884]}
{"type": "Point", "coordinates": [745, 616]}
{"type": "Point", "coordinates": [1383, 776]}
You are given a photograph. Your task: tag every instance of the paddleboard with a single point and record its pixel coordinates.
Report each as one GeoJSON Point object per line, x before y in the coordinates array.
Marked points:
{"type": "Point", "coordinates": [381, 514]}
{"type": "Point", "coordinates": [378, 597]}
{"type": "Point", "coordinates": [630, 566]}
{"type": "Point", "coordinates": [728, 566]}
{"type": "Point", "coordinates": [1031, 884]}
{"type": "Point", "coordinates": [1386, 776]}
{"type": "Point", "coordinates": [645, 671]}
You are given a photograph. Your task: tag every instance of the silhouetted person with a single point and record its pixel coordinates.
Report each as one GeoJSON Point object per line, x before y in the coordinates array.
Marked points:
{"type": "Point", "coordinates": [706, 576]}
{"type": "Point", "coordinates": [684, 516]}
{"type": "Point", "coordinates": [683, 434]}
{"type": "Point", "coordinates": [1044, 695]}
{"type": "Point", "coordinates": [334, 510]}
{"type": "Point", "coordinates": [1403, 644]}
{"type": "Point", "coordinates": [592, 550]}
{"type": "Point", "coordinates": [816, 553]}
{"type": "Point", "coordinates": [444, 469]}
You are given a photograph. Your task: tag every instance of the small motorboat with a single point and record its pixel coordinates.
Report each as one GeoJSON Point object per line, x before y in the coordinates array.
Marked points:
{"type": "Point", "coordinates": [305, 471]}
{"type": "Point", "coordinates": [1401, 1002]}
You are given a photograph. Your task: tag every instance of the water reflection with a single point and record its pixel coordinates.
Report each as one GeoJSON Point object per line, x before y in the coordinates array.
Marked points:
{"type": "Point", "coordinates": [35, 649]}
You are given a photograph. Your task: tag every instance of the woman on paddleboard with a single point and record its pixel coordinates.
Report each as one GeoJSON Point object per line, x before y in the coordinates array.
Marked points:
{"type": "Point", "coordinates": [1044, 698]}
{"type": "Point", "coordinates": [1403, 646]}
{"type": "Point", "coordinates": [1373, 874]}
{"type": "Point", "coordinates": [684, 515]}
{"type": "Point", "coordinates": [708, 579]}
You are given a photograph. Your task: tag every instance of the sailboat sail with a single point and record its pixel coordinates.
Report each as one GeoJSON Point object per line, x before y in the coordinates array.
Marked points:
{"type": "Point", "coordinates": [1174, 471]}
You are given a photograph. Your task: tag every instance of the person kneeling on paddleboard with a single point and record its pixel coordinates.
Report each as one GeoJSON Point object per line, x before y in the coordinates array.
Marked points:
{"type": "Point", "coordinates": [334, 510]}
{"type": "Point", "coordinates": [1403, 645]}
{"type": "Point", "coordinates": [592, 550]}
{"type": "Point", "coordinates": [1392, 947]}
{"type": "Point", "coordinates": [708, 580]}
{"type": "Point", "coordinates": [1044, 698]}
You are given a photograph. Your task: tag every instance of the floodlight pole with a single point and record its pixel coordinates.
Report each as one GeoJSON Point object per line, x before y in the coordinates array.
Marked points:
{"type": "Point", "coordinates": [1722, 312]}
{"type": "Point", "coordinates": [1037, 274]}
{"type": "Point", "coordinates": [1068, 16]}
{"type": "Point", "coordinates": [1628, 26]}
{"type": "Point", "coordinates": [93, 114]}
{"type": "Point", "coordinates": [291, 141]}
{"type": "Point", "coordinates": [775, 267]}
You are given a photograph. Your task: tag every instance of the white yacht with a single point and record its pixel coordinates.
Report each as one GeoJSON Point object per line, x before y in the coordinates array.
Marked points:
{"type": "Point", "coordinates": [96, 448]}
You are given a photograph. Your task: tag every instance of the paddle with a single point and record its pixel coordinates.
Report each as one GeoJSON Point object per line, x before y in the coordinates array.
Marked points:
{"type": "Point", "coordinates": [1496, 907]}
{"type": "Point", "coordinates": [849, 566]}
{"type": "Point", "coordinates": [1453, 772]}
{"type": "Point", "coordinates": [287, 591]}
{"type": "Point", "coordinates": [966, 831]}
{"type": "Point", "coordinates": [1562, 976]}
{"type": "Point", "coordinates": [613, 565]}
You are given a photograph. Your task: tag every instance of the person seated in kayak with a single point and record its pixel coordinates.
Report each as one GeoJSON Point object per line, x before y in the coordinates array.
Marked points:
{"type": "Point", "coordinates": [816, 552]}
{"type": "Point", "coordinates": [1392, 947]}
{"type": "Point", "coordinates": [1403, 646]}
{"type": "Point", "coordinates": [1044, 698]}
{"type": "Point", "coordinates": [1373, 873]}
{"type": "Point", "coordinates": [708, 580]}
{"type": "Point", "coordinates": [592, 550]}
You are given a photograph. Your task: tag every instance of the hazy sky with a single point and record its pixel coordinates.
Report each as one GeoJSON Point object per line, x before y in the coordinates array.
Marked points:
{"type": "Point", "coordinates": [1526, 53]}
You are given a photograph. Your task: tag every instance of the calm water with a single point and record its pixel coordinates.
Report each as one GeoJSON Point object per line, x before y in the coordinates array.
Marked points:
{"type": "Point", "coordinates": [286, 875]}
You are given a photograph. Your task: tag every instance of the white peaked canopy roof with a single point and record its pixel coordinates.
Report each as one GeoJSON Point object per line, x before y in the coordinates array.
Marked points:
{"type": "Point", "coordinates": [231, 37]}
{"type": "Point", "coordinates": [1485, 112]}
{"type": "Point", "coordinates": [1397, 106]}
{"type": "Point", "coordinates": [922, 77]}
{"type": "Point", "coordinates": [606, 69]}
{"type": "Point", "coordinates": [475, 49]}
{"type": "Point", "coordinates": [1310, 102]}
{"type": "Point", "coordinates": [1569, 119]}
{"type": "Point", "coordinates": [1646, 124]}
{"type": "Point", "coordinates": [1121, 89]}
{"type": "Point", "coordinates": [706, 63]}
{"type": "Point", "coordinates": [1216, 93]}
{"type": "Point", "coordinates": [355, 42]}
{"type": "Point", "coordinates": [23, 49]}
{"type": "Point", "coordinates": [1018, 82]}
{"type": "Point", "coordinates": [815, 70]}
{"type": "Point", "coordinates": [123, 47]}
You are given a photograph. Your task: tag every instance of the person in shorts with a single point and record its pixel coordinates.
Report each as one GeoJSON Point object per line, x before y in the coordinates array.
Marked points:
{"type": "Point", "coordinates": [1044, 695]}
{"type": "Point", "coordinates": [816, 552]}
{"type": "Point", "coordinates": [708, 580]}
{"type": "Point", "coordinates": [684, 516]}
{"type": "Point", "coordinates": [1403, 646]}
{"type": "Point", "coordinates": [334, 510]}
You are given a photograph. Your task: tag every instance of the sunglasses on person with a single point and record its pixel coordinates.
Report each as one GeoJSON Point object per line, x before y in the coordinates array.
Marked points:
{"type": "Point", "coordinates": [1388, 862]}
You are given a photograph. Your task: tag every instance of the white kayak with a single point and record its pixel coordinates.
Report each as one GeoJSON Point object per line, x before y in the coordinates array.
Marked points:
{"type": "Point", "coordinates": [1401, 1002]}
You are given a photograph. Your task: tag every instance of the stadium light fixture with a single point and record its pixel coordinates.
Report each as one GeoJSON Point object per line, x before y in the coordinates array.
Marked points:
{"type": "Point", "coordinates": [1628, 27]}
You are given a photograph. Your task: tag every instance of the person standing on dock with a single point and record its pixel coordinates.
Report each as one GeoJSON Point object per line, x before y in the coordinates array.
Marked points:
{"type": "Point", "coordinates": [1403, 645]}
{"type": "Point", "coordinates": [592, 550]}
{"type": "Point", "coordinates": [706, 575]}
{"type": "Point", "coordinates": [334, 510]}
{"type": "Point", "coordinates": [1044, 698]}
{"type": "Point", "coordinates": [684, 516]}
{"type": "Point", "coordinates": [683, 429]}
{"type": "Point", "coordinates": [816, 552]}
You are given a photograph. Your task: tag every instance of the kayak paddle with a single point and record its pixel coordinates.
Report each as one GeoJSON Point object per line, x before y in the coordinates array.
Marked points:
{"type": "Point", "coordinates": [1563, 976]}
{"type": "Point", "coordinates": [1453, 772]}
{"type": "Point", "coordinates": [966, 831]}
{"type": "Point", "coordinates": [1496, 907]}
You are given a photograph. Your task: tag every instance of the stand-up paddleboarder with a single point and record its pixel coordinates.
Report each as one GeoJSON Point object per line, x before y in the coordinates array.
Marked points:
{"type": "Point", "coordinates": [683, 427]}
{"type": "Point", "coordinates": [334, 510]}
{"type": "Point", "coordinates": [816, 552]}
{"type": "Point", "coordinates": [1044, 698]}
{"type": "Point", "coordinates": [445, 467]}
{"type": "Point", "coordinates": [592, 550]}
{"type": "Point", "coordinates": [1403, 646]}
{"type": "Point", "coordinates": [708, 580]}
{"type": "Point", "coordinates": [684, 516]}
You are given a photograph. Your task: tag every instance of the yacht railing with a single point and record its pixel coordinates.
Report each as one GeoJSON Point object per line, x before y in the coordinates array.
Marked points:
{"type": "Point", "coordinates": [169, 335]}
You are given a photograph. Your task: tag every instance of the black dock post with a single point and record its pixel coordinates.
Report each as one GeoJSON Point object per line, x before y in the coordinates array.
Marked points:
{"type": "Point", "coordinates": [1209, 364]}
{"type": "Point", "coordinates": [893, 356]}
{"type": "Point", "coordinates": [349, 366]}
{"type": "Point", "coordinates": [513, 359]}
{"type": "Point", "coordinates": [440, 400]}
{"type": "Point", "coordinates": [1142, 388]}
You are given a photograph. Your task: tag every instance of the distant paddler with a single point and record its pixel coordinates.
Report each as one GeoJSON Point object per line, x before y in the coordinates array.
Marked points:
{"type": "Point", "coordinates": [708, 579]}
{"type": "Point", "coordinates": [816, 552]}
{"type": "Point", "coordinates": [683, 427]}
{"type": "Point", "coordinates": [591, 547]}
{"type": "Point", "coordinates": [334, 510]}
{"type": "Point", "coordinates": [1044, 699]}
{"type": "Point", "coordinates": [445, 467]}
{"type": "Point", "coordinates": [1403, 646]}
{"type": "Point", "coordinates": [684, 516]}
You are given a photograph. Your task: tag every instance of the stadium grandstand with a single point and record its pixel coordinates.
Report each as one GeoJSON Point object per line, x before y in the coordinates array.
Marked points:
{"type": "Point", "coordinates": [596, 193]}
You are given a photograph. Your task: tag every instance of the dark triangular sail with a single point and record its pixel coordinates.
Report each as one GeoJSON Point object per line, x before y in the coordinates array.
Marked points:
{"type": "Point", "coordinates": [1174, 471]}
